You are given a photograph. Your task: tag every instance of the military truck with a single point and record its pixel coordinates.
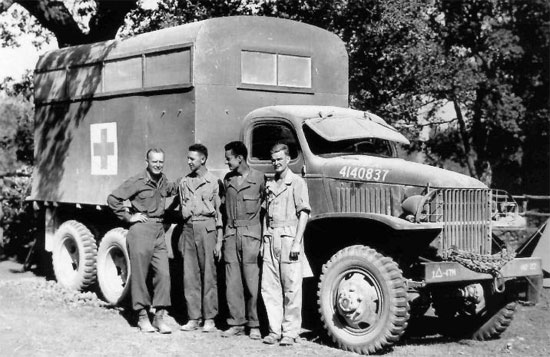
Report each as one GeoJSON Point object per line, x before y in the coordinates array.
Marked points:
{"type": "Point", "coordinates": [387, 238]}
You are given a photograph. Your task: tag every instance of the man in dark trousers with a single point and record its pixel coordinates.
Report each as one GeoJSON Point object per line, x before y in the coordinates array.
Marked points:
{"type": "Point", "coordinates": [244, 192]}
{"type": "Point", "coordinates": [201, 240]}
{"type": "Point", "coordinates": [147, 192]}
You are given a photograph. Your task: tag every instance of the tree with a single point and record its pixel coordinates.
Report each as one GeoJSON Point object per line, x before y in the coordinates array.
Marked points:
{"type": "Point", "coordinates": [490, 60]}
{"type": "Point", "coordinates": [105, 19]}
{"type": "Point", "coordinates": [16, 126]}
{"type": "Point", "coordinates": [485, 60]}
{"type": "Point", "coordinates": [24, 87]}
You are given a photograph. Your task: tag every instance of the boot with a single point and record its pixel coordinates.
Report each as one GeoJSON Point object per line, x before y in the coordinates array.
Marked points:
{"type": "Point", "coordinates": [191, 325]}
{"type": "Point", "coordinates": [233, 331]}
{"type": "Point", "coordinates": [255, 333]}
{"type": "Point", "coordinates": [209, 326]}
{"type": "Point", "coordinates": [159, 322]}
{"type": "Point", "coordinates": [143, 323]}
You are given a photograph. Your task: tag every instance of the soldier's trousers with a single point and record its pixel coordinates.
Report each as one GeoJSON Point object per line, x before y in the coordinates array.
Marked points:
{"type": "Point", "coordinates": [281, 286]}
{"type": "Point", "coordinates": [147, 249]}
{"type": "Point", "coordinates": [197, 244]}
{"type": "Point", "coordinates": [242, 276]}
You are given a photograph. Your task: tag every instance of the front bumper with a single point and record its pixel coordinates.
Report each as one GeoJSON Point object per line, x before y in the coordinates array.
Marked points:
{"type": "Point", "coordinates": [453, 272]}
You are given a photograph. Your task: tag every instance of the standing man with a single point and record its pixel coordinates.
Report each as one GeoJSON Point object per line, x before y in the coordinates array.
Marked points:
{"type": "Point", "coordinates": [201, 240]}
{"type": "Point", "coordinates": [286, 217]}
{"type": "Point", "coordinates": [147, 192]}
{"type": "Point", "coordinates": [244, 192]}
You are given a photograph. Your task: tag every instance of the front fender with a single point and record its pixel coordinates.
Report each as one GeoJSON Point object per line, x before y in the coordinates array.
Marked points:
{"type": "Point", "coordinates": [395, 223]}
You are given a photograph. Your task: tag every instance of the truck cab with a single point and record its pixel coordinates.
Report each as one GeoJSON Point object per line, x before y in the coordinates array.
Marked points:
{"type": "Point", "coordinates": [388, 238]}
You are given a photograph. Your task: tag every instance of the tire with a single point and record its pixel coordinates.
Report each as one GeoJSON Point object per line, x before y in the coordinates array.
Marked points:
{"type": "Point", "coordinates": [363, 300]}
{"type": "Point", "coordinates": [489, 321]}
{"type": "Point", "coordinates": [496, 324]}
{"type": "Point", "coordinates": [113, 266]}
{"type": "Point", "coordinates": [74, 256]}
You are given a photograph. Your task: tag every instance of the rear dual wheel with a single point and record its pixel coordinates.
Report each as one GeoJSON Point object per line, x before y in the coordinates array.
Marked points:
{"type": "Point", "coordinates": [363, 300]}
{"type": "Point", "coordinates": [113, 266]}
{"type": "Point", "coordinates": [485, 320]}
{"type": "Point", "coordinates": [74, 256]}
{"type": "Point", "coordinates": [76, 260]}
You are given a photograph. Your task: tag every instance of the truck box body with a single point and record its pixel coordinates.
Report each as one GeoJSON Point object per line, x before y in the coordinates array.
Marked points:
{"type": "Point", "coordinates": [99, 107]}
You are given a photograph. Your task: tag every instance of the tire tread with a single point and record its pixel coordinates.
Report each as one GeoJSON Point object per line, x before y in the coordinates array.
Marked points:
{"type": "Point", "coordinates": [398, 312]}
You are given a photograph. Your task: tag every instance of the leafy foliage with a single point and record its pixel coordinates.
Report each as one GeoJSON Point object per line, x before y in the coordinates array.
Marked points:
{"type": "Point", "coordinates": [16, 159]}
{"type": "Point", "coordinates": [19, 219]}
{"type": "Point", "coordinates": [16, 140]}
{"type": "Point", "coordinates": [466, 80]}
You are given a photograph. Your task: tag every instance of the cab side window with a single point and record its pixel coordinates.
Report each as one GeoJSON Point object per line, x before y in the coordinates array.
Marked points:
{"type": "Point", "coordinates": [266, 135]}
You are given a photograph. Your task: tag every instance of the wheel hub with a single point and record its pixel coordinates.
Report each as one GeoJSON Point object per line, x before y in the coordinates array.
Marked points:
{"type": "Point", "coordinates": [356, 301]}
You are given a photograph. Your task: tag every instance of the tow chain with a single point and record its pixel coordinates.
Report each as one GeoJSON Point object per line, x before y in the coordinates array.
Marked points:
{"type": "Point", "coordinates": [480, 263]}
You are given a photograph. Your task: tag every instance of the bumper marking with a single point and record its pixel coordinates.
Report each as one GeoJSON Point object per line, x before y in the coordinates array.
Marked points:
{"type": "Point", "coordinates": [446, 272]}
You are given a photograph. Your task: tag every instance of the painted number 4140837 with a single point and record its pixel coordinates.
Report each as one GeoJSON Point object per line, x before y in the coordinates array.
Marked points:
{"type": "Point", "coordinates": [364, 173]}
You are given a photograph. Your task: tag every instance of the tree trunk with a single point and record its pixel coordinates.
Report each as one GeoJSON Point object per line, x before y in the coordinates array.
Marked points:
{"type": "Point", "coordinates": [468, 150]}
{"type": "Point", "coordinates": [54, 16]}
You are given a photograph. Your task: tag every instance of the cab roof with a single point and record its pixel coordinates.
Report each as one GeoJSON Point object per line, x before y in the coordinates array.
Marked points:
{"type": "Point", "coordinates": [334, 123]}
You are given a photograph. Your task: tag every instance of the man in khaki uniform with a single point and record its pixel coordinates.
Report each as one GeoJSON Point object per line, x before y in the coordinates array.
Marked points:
{"type": "Point", "coordinates": [244, 192]}
{"type": "Point", "coordinates": [286, 217]}
{"type": "Point", "coordinates": [201, 240]}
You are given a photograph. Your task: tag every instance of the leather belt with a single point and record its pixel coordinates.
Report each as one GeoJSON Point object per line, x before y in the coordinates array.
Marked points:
{"type": "Point", "coordinates": [200, 218]}
{"type": "Point", "coordinates": [243, 223]}
{"type": "Point", "coordinates": [279, 224]}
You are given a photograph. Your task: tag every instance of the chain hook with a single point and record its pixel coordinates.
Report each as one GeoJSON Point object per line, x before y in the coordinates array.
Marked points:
{"type": "Point", "coordinates": [499, 285]}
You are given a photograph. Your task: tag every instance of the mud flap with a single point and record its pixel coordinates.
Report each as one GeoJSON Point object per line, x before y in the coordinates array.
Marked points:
{"type": "Point", "coordinates": [538, 245]}
{"type": "Point", "coordinates": [534, 289]}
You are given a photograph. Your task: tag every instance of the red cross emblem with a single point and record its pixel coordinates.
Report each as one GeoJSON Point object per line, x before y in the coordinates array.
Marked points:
{"type": "Point", "coordinates": [103, 149]}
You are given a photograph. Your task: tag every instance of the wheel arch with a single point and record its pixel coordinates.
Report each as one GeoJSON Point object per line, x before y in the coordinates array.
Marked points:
{"type": "Point", "coordinates": [326, 234]}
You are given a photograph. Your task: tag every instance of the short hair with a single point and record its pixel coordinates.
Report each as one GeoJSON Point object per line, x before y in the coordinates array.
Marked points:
{"type": "Point", "coordinates": [280, 147]}
{"type": "Point", "coordinates": [237, 148]}
{"type": "Point", "coordinates": [200, 148]}
{"type": "Point", "coordinates": [155, 150]}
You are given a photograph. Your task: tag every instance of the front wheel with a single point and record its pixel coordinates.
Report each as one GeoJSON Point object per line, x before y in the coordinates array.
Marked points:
{"type": "Point", "coordinates": [113, 266]}
{"type": "Point", "coordinates": [363, 300]}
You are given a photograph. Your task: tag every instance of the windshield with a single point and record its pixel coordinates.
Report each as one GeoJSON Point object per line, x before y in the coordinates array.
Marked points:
{"type": "Point", "coordinates": [357, 146]}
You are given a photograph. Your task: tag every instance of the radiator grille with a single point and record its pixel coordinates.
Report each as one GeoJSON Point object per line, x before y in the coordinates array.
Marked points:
{"type": "Point", "coordinates": [466, 217]}
{"type": "Point", "coordinates": [365, 198]}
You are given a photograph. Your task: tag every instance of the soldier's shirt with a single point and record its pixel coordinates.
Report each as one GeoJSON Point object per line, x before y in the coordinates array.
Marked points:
{"type": "Point", "coordinates": [243, 202]}
{"type": "Point", "coordinates": [286, 200]}
{"type": "Point", "coordinates": [146, 196]}
{"type": "Point", "coordinates": [199, 195]}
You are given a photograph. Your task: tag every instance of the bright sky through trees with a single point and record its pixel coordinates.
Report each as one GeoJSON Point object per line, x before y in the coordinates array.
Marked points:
{"type": "Point", "coordinates": [15, 61]}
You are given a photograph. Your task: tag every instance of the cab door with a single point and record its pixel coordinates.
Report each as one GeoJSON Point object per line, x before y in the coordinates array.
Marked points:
{"type": "Point", "coordinates": [262, 134]}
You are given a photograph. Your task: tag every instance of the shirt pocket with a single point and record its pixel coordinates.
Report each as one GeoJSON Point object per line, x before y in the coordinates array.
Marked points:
{"type": "Point", "coordinates": [251, 203]}
{"type": "Point", "coordinates": [254, 232]}
{"type": "Point", "coordinates": [208, 202]}
{"type": "Point", "coordinates": [210, 225]}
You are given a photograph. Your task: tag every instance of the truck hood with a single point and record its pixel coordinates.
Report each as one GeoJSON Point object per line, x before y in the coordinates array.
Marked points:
{"type": "Point", "coordinates": [394, 171]}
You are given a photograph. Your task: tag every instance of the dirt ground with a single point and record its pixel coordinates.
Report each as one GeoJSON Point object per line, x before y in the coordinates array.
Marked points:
{"type": "Point", "coordinates": [39, 318]}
